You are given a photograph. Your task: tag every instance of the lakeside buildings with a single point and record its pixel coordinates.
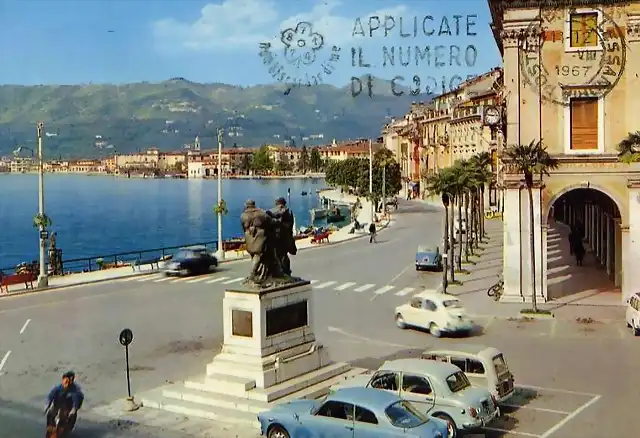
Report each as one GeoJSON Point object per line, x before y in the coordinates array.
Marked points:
{"type": "Point", "coordinates": [582, 106]}
{"type": "Point", "coordinates": [194, 163]}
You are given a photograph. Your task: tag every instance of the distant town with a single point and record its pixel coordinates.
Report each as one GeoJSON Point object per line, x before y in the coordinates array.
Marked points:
{"type": "Point", "coordinates": [194, 163]}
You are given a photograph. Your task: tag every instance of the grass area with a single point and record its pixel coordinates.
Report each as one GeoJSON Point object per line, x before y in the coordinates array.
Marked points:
{"type": "Point", "coordinates": [537, 313]}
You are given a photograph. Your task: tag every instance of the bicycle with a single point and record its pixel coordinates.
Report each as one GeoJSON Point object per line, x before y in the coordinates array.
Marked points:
{"type": "Point", "coordinates": [495, 291]}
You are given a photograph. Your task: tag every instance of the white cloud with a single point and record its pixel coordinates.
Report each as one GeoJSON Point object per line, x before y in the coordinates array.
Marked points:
{"type": "Point", "coordinates": [243, 24]}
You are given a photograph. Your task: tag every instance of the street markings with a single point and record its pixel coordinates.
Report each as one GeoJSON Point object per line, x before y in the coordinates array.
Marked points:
{"type": "Point", "coordinates": [364, 288]}
{"type": "Point", "coordinates": [235, 280]}
{"type": "Point", "coordinates": [345, 286]}
{"type": "Point", "coordinates": [197, 280]}
{"type": "Point", "coordinates": [160, 280]}
{"type": "Point", "coordinates": [313, 281]}
{"type": "Point", "coordinates": [325, 284]}
{"type": "Point", "coordinates": [216, 280]}
{"type": "Point", "coordinates": [405, 291]}
{"type": "Point", "coordinates": [383, 290]}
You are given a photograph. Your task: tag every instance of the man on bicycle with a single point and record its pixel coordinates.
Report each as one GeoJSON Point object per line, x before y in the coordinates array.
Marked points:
{"type": "Point", "coordinates": [67, 396]}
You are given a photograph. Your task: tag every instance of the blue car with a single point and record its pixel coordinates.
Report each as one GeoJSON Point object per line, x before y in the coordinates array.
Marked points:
{"type": "Point", "coordinates": [428, 259]}
{"type": "Point", "coordinates": [350, 413]}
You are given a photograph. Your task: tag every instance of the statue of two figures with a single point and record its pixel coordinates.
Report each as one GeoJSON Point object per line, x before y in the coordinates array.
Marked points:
{"type": "Point", "coordinates": [269, 238]}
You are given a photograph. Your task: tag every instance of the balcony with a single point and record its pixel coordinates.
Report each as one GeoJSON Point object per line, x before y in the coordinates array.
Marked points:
{"type": "Point", "coordinates": [466, 112]}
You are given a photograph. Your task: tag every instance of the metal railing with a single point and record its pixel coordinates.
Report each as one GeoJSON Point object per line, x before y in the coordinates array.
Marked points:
{"type": "Point", "coordinates": [131, 258]}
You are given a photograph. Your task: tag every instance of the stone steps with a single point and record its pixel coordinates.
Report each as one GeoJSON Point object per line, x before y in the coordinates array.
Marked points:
{"type": "Point", "coordinates": [218, 406]}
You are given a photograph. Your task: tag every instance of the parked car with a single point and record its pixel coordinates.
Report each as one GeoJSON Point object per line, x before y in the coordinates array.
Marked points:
{"type": "Point", "coordinates": [485, 367]}
{"type": "Point", "coordinates": [435, 311]}
{"type": "Point", "coordinates": [348, 413]}
{"type": "Point", "coordinates": [438, 389]}
{"type": "Point", "coordinates": [193, 260]}
{"type": "Point", "coordinates": [428, 259]}
{"type": "Point", "coordinates": [633, 314]}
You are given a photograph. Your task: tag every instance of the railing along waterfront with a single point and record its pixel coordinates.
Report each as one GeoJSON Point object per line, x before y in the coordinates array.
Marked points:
{"type": "Point", "coordinates": [116, 260]}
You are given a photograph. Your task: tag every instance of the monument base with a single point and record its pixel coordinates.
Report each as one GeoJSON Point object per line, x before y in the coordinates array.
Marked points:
{"type": "Point", "coordinates": [270, 356]}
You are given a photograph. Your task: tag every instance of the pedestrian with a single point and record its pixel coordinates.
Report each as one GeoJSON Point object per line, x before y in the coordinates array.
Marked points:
{"type": "Point", "coordinates": [372, 233]}
{"type": "Point", "coordinates": [578, 250]}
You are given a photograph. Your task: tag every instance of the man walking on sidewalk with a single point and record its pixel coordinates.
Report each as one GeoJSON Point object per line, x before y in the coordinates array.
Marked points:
{"type": "Point", "coordinates": [372, 233]}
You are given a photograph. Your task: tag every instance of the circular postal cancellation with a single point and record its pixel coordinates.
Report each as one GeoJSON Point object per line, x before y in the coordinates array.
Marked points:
{"type": "Point", "coordinates": [300, 57]}
{"type": "Point", "coordinates": [590, 59]}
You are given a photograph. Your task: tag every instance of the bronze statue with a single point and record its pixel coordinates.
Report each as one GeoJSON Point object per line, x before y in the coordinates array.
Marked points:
{"type": "Point", "coordinates": [284, 241]}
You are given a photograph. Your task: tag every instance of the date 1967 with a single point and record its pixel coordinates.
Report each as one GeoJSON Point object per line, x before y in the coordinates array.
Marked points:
{"type": "Point", "coordinates": [566, 70]}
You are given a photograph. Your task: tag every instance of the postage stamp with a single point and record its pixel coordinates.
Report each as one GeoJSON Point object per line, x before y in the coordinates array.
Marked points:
{"type": "Point", "coordinates": [301, 57]}
{"type": "Point", "coordinates": [589, 61]}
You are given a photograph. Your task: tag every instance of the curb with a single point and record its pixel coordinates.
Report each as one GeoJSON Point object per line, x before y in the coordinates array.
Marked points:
{"type": "Point", "coordinates": [142, 274]}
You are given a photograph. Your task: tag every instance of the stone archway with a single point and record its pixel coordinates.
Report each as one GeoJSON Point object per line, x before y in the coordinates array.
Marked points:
{"type": "Point", "coordinates": [595, 215]}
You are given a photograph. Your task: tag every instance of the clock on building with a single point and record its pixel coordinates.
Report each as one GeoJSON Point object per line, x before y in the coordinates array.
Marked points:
{"type": "Point", "coordinates": [491, 116]}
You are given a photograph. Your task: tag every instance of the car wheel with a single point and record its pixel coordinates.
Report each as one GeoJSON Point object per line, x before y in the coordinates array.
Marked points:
{"type": "Point", "coordinates": [636, 330]}
{"type": "Point", "coordinates": [184, 272]}
{"type": "Point", "coordinates": [452, 430]}
{"type": "Point", "coordinates": [400, 321]}
{"type": "Point", "coordinates": [435, 330]}
{"type": "Point", "coordinates": [277, 432]}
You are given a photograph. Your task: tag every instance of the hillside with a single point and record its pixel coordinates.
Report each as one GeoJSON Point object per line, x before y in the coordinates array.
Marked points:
{"type": "Point", "coordinates": [169, 114]}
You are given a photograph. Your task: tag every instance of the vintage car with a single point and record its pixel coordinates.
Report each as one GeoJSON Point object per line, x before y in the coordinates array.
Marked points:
{"type": "Point", "coordinates": [632, 315]}
{"type": "Point", "coordinates": [192, 260]}
{"type": "Point", "coordinates": [435, 311]}
{"type": "Point", "coordinates": [438, 389]}
{"type": "Point", "coordinates": [359, 412]}
{"type": "Point", "coordinates": [485, 367]}
{"type": "Point", "coordinates": [428, 259]}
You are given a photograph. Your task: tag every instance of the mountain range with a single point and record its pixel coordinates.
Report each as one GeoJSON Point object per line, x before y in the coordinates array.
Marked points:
{"type": "Point", "coordinates": [90, 121]}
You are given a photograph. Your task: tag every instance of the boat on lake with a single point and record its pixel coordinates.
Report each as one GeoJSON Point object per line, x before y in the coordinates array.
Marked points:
{"type": "Point", "coordinates": [318, 213]}
{"type": "Point", "coordinates": [335, 216]}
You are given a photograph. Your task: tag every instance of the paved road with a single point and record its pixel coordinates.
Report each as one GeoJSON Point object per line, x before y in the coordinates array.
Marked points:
{"type": "Point", "coordinates": [177, 325]}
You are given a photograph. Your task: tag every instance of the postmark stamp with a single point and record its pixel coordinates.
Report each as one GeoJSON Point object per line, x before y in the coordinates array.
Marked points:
{"type": "Point", "coordinates": [592, 56]}
{"type": "Point", "coordinates": [300, 58]}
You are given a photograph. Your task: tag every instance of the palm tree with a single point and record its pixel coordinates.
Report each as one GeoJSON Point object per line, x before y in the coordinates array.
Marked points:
{"type": "Point", "coordinates": [530, 160]}
{"type": "Point", "coordinates": [441, 184]}
{"type": "Point", "coordinates": [629, 148]}
{"type": "Point", "coordinates": [482, 163]}
{"type": "Point", "coordinates": [462, 181]}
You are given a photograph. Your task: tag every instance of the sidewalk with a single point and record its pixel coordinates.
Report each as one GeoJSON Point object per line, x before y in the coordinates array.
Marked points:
{"type": "Point", "coordinates": [590, 298]}
{"type": "Point", "coordinates": [58, 282]}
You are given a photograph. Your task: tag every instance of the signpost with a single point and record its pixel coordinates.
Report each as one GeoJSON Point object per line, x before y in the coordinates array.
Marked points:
{"type": "Point", "coordinates": [125, 338]}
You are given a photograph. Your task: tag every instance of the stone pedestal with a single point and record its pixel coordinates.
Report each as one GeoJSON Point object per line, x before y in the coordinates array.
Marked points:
{"type": "Point", "coordinates": [270, 356]}
{"type": "Point", "coordinates": [268, 336]}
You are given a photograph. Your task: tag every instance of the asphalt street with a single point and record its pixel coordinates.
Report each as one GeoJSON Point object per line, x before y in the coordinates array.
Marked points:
{"type": "Point", "coordinates": [577, 380]}
{"type": "Point", "coordinates": [177, 325]}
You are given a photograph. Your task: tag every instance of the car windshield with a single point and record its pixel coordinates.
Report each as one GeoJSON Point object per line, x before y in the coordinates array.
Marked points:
{"type": "Point", "coordinates": [423, 249]}
{"type": "Point", "coordinates": [452, 304]}
{"type": "Point", "coordinates": [184, 255]}
{"type": "Point", "coordinates": [457, 381]}
{"type": "Point", "coordinates": [403, 414]}
{"type": "Point", "coordinates": [500, 365]}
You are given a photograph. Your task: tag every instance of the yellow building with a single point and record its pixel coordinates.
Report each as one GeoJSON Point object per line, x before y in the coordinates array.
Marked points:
{"type": "Point", "coordinates": [571, 74]}
{"type": "Point", "coordinates": [452, 126]}
{"type": "Point", "coordinates": [351, 149]}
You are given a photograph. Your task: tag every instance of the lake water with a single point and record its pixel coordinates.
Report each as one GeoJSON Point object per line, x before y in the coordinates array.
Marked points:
{"type": "Point", "coordinates": [99, 215]}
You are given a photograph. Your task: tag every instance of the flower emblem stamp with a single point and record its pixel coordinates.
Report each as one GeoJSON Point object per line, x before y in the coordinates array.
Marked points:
{"type": "Point", "coordinates": [302, 60]}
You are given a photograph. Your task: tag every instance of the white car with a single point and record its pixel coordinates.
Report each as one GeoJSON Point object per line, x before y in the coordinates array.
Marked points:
{"type": "Point", "coordinates": [434, 311]}
{"type": "Point", "coordinates": [633, 314]}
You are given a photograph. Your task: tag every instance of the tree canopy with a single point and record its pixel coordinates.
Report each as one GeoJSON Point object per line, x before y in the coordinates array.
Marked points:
{"type": "Point", "coordinates": [353, 173]}
{"type": "Point", "coordinates": [315, 160]}
{"type": "Point", "coordinates": [262, 162]}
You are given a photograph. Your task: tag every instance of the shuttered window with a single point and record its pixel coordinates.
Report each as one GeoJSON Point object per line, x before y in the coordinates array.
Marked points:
{"type": "Point", "coordinates": [584, 30]}
{"type": "Point", "coordinates": [584, 123]}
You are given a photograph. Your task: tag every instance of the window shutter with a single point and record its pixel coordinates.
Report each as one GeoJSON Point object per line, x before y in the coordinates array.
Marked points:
{"type": "Point", "coordinates": [584, 124]}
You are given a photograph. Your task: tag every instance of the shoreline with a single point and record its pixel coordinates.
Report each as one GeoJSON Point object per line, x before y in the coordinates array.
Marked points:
{"type": "Point", "coordinates": [123, 176]}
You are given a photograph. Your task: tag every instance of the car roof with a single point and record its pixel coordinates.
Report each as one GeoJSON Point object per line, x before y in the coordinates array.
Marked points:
{"type": "Point", "coordinates": [440, 370]}
{"type": "Point", "coordinates": [426, 248]}
{"type": "Point", "coordinates": [368, 398]}
{"type": "Point", "coordinates": [434, 295]}
{"type": "Point", "coordinates": [474, 349]}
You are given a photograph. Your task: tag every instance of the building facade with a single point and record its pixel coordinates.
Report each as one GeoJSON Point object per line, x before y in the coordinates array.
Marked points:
{"type": "Point", "coordinates": [569, 78]}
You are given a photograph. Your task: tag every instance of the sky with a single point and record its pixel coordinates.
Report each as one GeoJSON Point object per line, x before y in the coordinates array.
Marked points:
{"type": "Point", "coordinates": [121, 41]}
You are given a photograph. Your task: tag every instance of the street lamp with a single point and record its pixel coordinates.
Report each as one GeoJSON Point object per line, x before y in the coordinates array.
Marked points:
{"type": "Point", "coordinates": [371, 178]}
{"type": "Point", "coordinates": [220, 252]}
{"type": "Point", "coordinates": [43, 279]}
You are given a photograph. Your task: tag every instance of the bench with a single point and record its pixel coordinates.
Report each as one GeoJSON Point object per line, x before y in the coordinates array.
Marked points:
{"type": "Point", "coordinates": [320, 237]}
{"type": "Point", "coordinates": [10, 280]}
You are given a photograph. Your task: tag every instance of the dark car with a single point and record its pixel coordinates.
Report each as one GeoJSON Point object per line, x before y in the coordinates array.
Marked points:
{"type": "Point", "coordinates": [192, 261]}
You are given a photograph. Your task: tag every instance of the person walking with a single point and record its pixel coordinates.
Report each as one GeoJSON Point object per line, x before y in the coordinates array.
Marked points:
{"type": "Point", "coordinates": [372, 233]}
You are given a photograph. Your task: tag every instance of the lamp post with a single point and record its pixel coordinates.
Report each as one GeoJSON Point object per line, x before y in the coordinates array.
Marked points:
{"type": "Point", "coordinates": [371, 178]}
{"type": "Point", "coordinates": [220, 252]}
{"type": "Point", "coordinates": [43, 279]}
